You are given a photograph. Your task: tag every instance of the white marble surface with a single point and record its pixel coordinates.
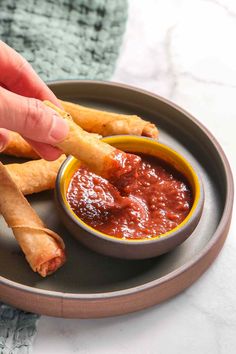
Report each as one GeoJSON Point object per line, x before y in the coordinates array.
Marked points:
{"type": "Point", "coordinates": [183, 50]}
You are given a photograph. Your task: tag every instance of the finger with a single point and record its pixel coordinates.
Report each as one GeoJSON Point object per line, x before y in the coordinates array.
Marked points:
{"type": "Point", "coordinates": [4, 138]}
{"type": "Point", "coordinates": [31, 118]}
{"type": "Point", "coordinates": [47, 152]}
{"type": "Point", "coordinates": [18, 76]}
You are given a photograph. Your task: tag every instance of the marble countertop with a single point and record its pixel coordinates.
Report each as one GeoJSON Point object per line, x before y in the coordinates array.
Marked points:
{"type": "Point", "coordinates": [185, 51]}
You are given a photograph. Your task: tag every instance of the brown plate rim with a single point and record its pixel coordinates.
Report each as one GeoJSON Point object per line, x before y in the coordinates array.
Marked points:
{"type": "Point", "coordinates": [218, 236]}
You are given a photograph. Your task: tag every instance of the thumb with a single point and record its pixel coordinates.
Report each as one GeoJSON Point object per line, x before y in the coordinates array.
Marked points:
{"type": "Point", "coordinates": [31, 118]}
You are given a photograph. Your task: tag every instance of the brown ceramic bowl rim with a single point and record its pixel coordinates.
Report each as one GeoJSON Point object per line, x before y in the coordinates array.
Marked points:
{"type": "Point", "coordinates": [195, 210]}
{"type": "Point", "coordinates": [222, 226]}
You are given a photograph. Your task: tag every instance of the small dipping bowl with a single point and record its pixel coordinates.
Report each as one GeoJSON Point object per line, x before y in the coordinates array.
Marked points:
{"type": "Point", "coordinates": [130, 248]}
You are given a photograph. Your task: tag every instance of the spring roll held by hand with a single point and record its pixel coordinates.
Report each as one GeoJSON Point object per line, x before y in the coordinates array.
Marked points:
{"type": "Point", "coordinates": [101, 158]}
{"type": "Point", "coordinates": [91, 120]}
{"type": "Point", "coordinates": [43, 248]}
{"type": "Point", "coordinates": [17, 146]}
{"type": "Point", "coordinates": [108, 123]}
{"type": "Point", "coordinates": [35, 176]}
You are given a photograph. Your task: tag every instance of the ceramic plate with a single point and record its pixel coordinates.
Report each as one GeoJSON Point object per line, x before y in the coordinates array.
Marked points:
{"type": "Point", "coordinates": [91, 285]}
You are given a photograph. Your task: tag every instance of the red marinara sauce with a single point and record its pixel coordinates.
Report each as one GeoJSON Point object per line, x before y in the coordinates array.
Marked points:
{"type": "Point", "coordinates": [143, 204]}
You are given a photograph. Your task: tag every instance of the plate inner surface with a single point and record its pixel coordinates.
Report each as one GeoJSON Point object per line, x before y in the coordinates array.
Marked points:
{"type": "Point", "coordinates": [89, 272]}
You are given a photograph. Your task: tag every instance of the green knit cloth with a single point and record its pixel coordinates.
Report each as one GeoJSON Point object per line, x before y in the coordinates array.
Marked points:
{"type": "Point", "coordinates": [17, 330]}
{"type": "Point", "coordinates": [62, 39]}
{"type": "Point", "coordinates": [65, 39]}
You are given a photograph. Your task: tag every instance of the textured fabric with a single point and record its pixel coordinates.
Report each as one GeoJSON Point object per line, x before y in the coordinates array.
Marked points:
{"type": "Point", "coordinates": [65, 39]}
{"type": "Point", "coordinates": [62, 39]}
{"type": "Point", "coordinates": [17, 330]}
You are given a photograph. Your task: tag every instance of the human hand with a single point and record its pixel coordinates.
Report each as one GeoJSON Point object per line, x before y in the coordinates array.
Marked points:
{"type": "Point", "coordinates": [22, 109]}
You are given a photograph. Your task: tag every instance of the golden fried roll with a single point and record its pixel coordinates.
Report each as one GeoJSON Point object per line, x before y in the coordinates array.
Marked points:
{"type": "Point", "coordinates": [43, 248]}
{"type": "Point", "coordinates": [101, 158]}
{"type": "Point", "coordinates": [108, 123]}
{"type": "Point", "coordinates": [35, 176]}
{"type": "Point", "coordinates": [17, 146]}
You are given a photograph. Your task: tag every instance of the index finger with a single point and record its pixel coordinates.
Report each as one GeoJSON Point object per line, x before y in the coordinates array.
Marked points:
{"type": "Point", "coordinates": [18, 76]}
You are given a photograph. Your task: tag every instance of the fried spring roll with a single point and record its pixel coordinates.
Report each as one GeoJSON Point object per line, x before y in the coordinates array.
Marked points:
{"type": "Point", "coordinates": [43, 248]}
{"type": "Point", "coordinates": [101, 158]}
{"type": "Point", "coordinates": [107, 123]}
{"type": "Point", "coordinates": [18, 147]}
{"type": "Point", "coordinates": [35, 176]}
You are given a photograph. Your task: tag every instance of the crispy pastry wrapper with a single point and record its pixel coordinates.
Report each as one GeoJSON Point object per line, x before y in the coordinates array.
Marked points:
{"type": "Point", "coordinates": [43, 249]}
{"type": "Point", "coordinates": [97, 155]}
{"type": "Point", "coordinates": [35, 176]}
{"type": "Point", "coordinates": [17, 146]}
{"type": "Point", "coordinates": [108, 123]}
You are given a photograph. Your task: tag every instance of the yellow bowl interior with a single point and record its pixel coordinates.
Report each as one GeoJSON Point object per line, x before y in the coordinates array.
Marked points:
{"type": "Point", "coordinates": [136, 144]}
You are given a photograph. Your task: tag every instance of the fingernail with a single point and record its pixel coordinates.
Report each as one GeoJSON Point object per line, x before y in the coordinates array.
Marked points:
{"type": "Point", "coordinates": [59, 129]}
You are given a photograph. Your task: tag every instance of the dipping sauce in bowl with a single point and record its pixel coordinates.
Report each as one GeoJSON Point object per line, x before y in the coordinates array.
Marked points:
{"type": "Point", "coordinates": [145, 212]}
{"type": "Point", "coordinates": [147, 203]}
